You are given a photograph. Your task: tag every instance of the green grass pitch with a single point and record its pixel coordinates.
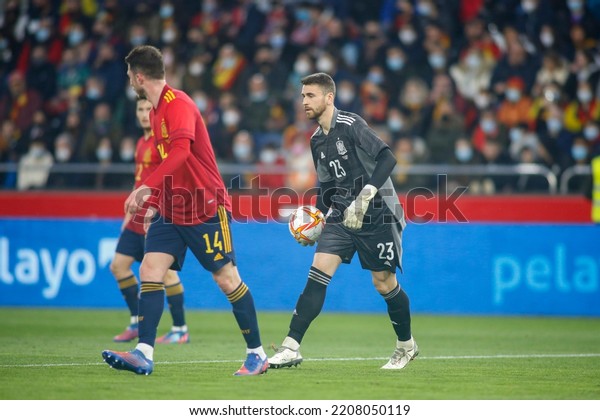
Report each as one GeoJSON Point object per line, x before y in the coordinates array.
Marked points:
{"type": "Point", "coordinates": [55, 354]}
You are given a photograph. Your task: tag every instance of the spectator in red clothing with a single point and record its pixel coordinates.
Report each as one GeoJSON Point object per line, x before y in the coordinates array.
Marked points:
{"type": "Point", "coordinates": [20, 104]}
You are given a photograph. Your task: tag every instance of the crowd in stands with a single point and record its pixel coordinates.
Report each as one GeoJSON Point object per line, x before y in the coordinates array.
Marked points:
{"type": "Point", "coordinates": [442, 81]}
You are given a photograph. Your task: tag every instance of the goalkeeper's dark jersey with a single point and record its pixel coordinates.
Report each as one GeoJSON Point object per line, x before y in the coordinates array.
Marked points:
{"type": "Point", "coordinates": [346, 156]}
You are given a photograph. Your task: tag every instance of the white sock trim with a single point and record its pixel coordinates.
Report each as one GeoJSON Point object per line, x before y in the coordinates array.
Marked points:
{"type": "Point", "coordinates": [147, 349]}
{"type": "Point", "coordinates": [290, 343]}
{"type": "Point", "coordinates": [259, 350]}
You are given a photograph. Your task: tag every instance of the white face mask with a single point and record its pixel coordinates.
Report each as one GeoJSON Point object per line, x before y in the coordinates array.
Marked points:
{"type": "Point", "coordinates": [554, 125]}
{"type": "Point", "coordinates": [590, 132]}
{"type": "Point", "coordinates": [268, 156]}
{"type": "Point", "coordinates": [37, 151]}
{"type": "Point", "coordinates": [345, 95]}
{"type": "Point", "coordinates": [196, 69]}
{"type": "Point", "coordinates": [547, 39]}
{"type": "Point", "coordinates": [127, 155]}
{"type": "Point", "coordinates": [231, 118]}
{"type": "Point", "coordinates": [103, 154]}
{"type": "Point", "coordinates": [513, 95]}
{"type": "Point", "coordinates": [407, 36]}
{"type": "Point", "coordinates": [325, 65]}
{"type": "Point", "coordinates": [242, 152]}
{"type": "Point", "coordinates": [584, 95]}
{"type": "Point", "coordinates": [62, 154]}
{"type": "Point", "coordinates": [302, 67]}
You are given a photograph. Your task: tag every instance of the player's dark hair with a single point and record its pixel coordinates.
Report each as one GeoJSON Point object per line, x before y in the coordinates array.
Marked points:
{"type": "Point", "coordinates": [323, 80]}
{"type": "Point", "coordinates": [147, 60]}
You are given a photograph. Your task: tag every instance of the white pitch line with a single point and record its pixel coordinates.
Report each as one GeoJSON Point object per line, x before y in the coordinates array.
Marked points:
{"type": "Point", "coordinates": [333, 359]}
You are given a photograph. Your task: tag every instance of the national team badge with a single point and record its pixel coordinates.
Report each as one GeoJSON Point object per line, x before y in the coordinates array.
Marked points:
{"type": "Point", "coordinates": [340, 147]}
{"type": "Point", "coordinates": [163, 129]}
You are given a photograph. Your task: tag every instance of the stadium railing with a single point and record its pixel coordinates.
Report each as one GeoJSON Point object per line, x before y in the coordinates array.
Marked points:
{"type": "Point", "coordinates": [230, 169]}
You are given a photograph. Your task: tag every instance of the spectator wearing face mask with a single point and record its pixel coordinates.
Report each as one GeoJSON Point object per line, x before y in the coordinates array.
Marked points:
{"type": "Point", "coordinates": [346, 97]}
{"type": "Point", "coordinates": [555, 138]}
{"type": "Point", "coordinates": [34, 166]}
{"type": "Point", "coordinates": [580, 156]}
{"type": "Point", "coordinates": [447, 125]}
{"type": "Point", "coordinates": [21, 102]}
{"type": "Point", "coordinates": [227, 67]}
{"type": "Point", "coordinates": [583, 109]}
{"type": "Point", "coordinates": [398, 69]}
{"type": "Point", "coordinates": [465, 154]}
{"type": "Point", "coordinates": [271, 160]}
{"type": "Point", "coordinates": [489, 129]}
{"type": "Point", "coordinates": [516, 108]}
{"type": "Point", "coordinates": [301, 174]}
{"type": "Point", "coordinates": [471, 74]}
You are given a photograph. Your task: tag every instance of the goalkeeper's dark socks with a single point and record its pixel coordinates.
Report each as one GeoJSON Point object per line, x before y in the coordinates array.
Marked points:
{"type": "Point", "coordinates": [399, 312]}
{"type": "Point", "coordinates": [152, 303]}
{"type": "Point", "coordinates": [242, 304]}
{"type": "Point", "coordinates": [129, 289]}
{"type": "Point", "coordinates": [175, 301]}
{"type": "Point", "coordinates": [309, 303]}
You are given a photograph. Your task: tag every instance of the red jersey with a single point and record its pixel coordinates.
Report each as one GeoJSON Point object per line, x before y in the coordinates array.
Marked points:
{"type": "Point", "coordinates": [147, 160]}
{"type": "Point", "coordinates": [188, 181]}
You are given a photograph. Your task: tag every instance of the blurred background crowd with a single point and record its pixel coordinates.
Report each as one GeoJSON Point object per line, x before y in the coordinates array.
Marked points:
{"type": "Point", "coordinates": [461, 82]}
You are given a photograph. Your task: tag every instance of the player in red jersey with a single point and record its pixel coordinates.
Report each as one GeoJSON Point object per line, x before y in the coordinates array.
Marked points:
{"type": "Point", "coordinates": [130, 247]}
{"type": "Point", "coordinates": [194, 211]}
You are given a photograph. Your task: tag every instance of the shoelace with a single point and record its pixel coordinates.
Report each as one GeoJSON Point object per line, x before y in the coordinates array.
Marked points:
{"type": "Point", "coordinates": [398, 355]}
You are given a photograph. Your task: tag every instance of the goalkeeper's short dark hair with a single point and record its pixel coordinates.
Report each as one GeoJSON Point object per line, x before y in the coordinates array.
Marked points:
{"type": "Point", "coordinates": [323, 80]}
{"type": "Point", "coordinates": [147, 60]}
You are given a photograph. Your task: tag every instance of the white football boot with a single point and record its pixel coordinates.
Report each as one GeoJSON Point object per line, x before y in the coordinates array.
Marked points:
{"type": "Point", "coordinates": [286, 356]}
{"type": "Point", "coordinates": [402, 355]}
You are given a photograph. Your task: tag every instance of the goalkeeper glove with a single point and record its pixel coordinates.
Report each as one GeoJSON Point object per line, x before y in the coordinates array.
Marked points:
{"type": "Point", "coordinates": [354, 214]}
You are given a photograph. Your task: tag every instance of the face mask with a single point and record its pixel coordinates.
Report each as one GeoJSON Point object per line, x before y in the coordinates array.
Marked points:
{"type": "Point", "coordinates": [350, 54]}
{"type": "Point", "coordinates": [259, 96]}
{"type": "Point", "coordinates": [196, 69]}
{"type": "Point", "coordinates": [437, 61]}
{"type": "Point", "coordinates": [75, 37]}
{"type": "Point", "coordinates": [37, 152]}
{"type": "Point", "coordinates": [488, 126]}
{"type": "Point", "coordinates": [463, 154]}
{"type": "Point", "coordinates": [166, 11]}
{"type": "Point", "coordinates": [168, 36]}
{"type": "Point", "coordinates": [242, 152]}
{"type": "Point", "coordinates": [127, 155]}
{"type": "Point", "coordinates": [302, 67]}
{"type": "Point", "coordinates": [277, 41]}
{"type": "Point", "coordinates": [482, 101]}
{"type": "Point", "coordinates": [345, 95]}
{"type": "Point", "coordinates": [375, 77]}
{"type": "Point", "coordinates": [574, 5]}
{"type": "Point", "coordinates": [131, 95]}
{"type": "Point", "coordinates": [42, 35]}
{"type": "Point", "coordinates": [424, 9]}
{"type": "Point", "coordinates": [228, 62]}
{"type": "Point", "coordinates": [268, 156]}
{"type": "Point", "coordinates": [513, 95]}
{"type": "Point", "coordinates": [168, 59]}
{"type": "Point", "coordinates": [231, 118]}
{"type": "Point", "coordinates": [528, 6]}
{"type": "Point", "coordinates": [137, 40]}
{"type": "Point", "coordinates": [395, 63]}
{"type": "Point", "coordinates": [302, 15]}
{"type": "Point", "coordinates": [395, 124]}
{"type": "Point", "coordinates": [62, 154]}
{"type": "Point", "coordinates": [473, 61]}
{"type": "Point", "coordinates": [407, 36]}
{"type": "Point", "coordinates": [324, 65]}
{"type": "Point", "coordinates": [590, 132]}
{"type": "Point", "coordinates": [201, 103]}
{"type": "Point", "coordinates": [579, 152]}
{"type": "Point", "coordinates": [515, 135]}
{"type": "Point", "coordinates": [584, 96]}
{"type": "Point", "coordinates": [103, 154]}
{"type": "Point", "coordinates": [93, 94]}
{"type": "Point", "coordinates": [554, 125]}
{"type": "Point", "coordinates": [547, 39]}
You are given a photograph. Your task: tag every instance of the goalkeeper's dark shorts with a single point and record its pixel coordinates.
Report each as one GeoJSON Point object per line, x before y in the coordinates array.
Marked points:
{"type": "Point", "coordinates": [379, 249]}
{"type": "Point", "coordinates": [131, 244]}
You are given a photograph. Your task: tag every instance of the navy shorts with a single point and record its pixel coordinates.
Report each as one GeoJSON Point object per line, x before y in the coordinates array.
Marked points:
{"type": "Point", "coordinates": [131, 244]}
{"type": "Point", "coordinates": [379, 249]}
{"type": "Point", "coordinates": [210, 242]}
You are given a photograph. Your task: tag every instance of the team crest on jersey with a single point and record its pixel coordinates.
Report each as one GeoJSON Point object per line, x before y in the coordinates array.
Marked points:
{"type": "Point", "coordinates": [163, 129]}
{"type": "Point", "coordinates": [340, 147]}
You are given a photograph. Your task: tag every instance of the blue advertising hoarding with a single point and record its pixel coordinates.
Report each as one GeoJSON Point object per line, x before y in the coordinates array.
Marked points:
{"type": "Point", "coordinates": [469, 268]}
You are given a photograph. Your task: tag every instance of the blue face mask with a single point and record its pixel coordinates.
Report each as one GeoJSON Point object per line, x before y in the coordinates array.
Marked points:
{"type": "Point", "coordinates": [437, 61]}
{"type": "Point", "coordinates": [579, 152]}
{"type": "Point", "coordinates": [75, 37]}
{"type": "Point", "coordinates": [375, 77]}
{"type": "Point", "coordinates": [42, 35]}
{"type": "Point", "coordinates": [554, 125]}
{"type": "Point", "coordinates": [395, 63]}
{"type": "Point", "coordinates": [463, 154]}
{"type": "Point", "coordinates": [166, 11]}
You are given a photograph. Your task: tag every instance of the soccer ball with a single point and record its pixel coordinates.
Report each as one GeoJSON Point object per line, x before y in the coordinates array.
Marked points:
{"type": "Point", "coordinates": [306, 224]}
